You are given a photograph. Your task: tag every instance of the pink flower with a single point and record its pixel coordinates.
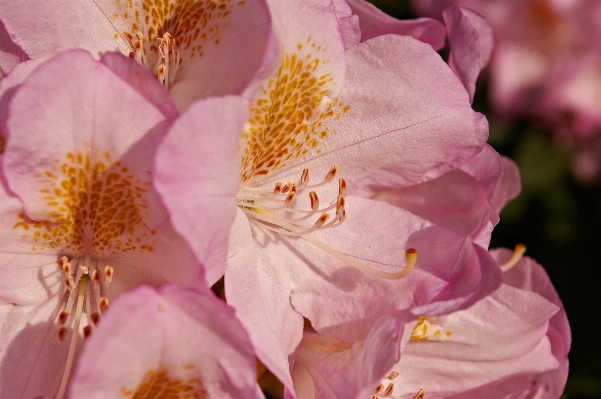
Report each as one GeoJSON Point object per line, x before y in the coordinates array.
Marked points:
{"type": "Point", "coordinates": [179, 341]}
{"type": "Point", "coordinates": [386, 114]}
{"type": "Point", "coordinates": [513, 343]}
{"type": "Point", "coordinates": [81, 221]}
{"type": "Point", "coordinates": [196, 48]}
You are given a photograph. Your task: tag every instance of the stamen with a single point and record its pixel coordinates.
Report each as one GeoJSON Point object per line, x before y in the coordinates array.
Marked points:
{"type": "Point", "coordinates": [95, 318]}
{"type": "Point", "coordinates": [70, 282]}
{"type": "Point", "coordinates": [420, 394]}
{"type": "Point", "coordinates": [108, 274]}
{"type": "Point", "coordinates": [63, 386]}
{"type": "Point", "coordinates": [331, 174]}
{"type": "Point", "coordinates": [62, 333]}
{"type": "Point", "coordinates": [63, 316]}
{"type": "Point", "coordinates": [393, 375]}
{"type": "Point", "coordinates": [87, 330]}
{"type": "Point", "coordinates": [518, 252]}
{"type": "Point", "coordinates": [96, 279]}
{"type": "Point", "coordinates": [389, 389]}
{"type": "Point", "coordinates": [104, 303]}
{"type": "Point", "coordinates": [304, 177]}
{"type": "Point", "coordinates": [260, 203]}
{"type": "Point", "coordinates": [380, 388]}
{"type": "Point", "coordinates": [342, 187]}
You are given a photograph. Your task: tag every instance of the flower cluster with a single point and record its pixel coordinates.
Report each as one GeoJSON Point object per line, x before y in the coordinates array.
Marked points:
{"type": "Point", "coordinates": [316, 157]}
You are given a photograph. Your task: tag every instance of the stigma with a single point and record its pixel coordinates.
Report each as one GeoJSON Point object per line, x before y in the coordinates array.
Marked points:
{"type": "Point", "coordinates": [85, 283]}
{"type": "Point", "coordinates": [277, 210]}
{"type": "Point", "coordinates": [168, 62]}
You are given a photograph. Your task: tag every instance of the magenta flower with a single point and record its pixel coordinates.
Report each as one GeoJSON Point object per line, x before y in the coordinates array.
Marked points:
{"type": "Point", "coordinates": [81, 221]}
{"type": "Point", "coordinates": [177, 342]}
{"type": "Point", "coordinates": [386, 114]}
{"type": "Point", "coordinates": [184, 43]}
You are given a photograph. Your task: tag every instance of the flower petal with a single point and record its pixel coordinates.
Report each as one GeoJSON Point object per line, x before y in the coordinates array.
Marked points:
{"type": "Point", "coordinates": [471, 42]}
{"type": "Point", "coordinates": [42, 133]}
{"type": "Point", "coordinates": [10, 53]}
{"type": "Point", "coordinates": [178, 338]}
{"type": "Point", "coordinates": [375, 23]}
{"type": "Point", "coordinates": [197, 173]}
{"type": "Point", "coordinates": [408, 120]}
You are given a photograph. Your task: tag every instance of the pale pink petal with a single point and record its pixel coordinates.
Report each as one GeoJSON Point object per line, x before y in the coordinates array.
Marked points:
{"type": "Point", "coordinates": [258, 284]}
{"type": "Point", "coordinates": [348, 24]}
{"type": "Point", "coordinates": [197, 173]}
{"type": "Point", "coordinates": [33, 359]}
{"type": "Point", "coordinates": [342, 370]}
{"type": "Point", "coordinates": [375, 23]}
{"type": "Point", "coordinates": [471, 42]}
{"type": "Point", "coordinates": [187, 334]}
{"type": "Point", "coordinates": [139, 79]}
{"type": "Point", "coordinates": [10, 53]}
{"type": "Point", "coordinates": [457, 200]}
{"type": "Point", "coordinates": [409, 120]}
{"type": "Point", "coordinates": [501, 336]}
{"type": "Point", "coordinates": [451, 272]}
{"type": "Point", "coordinates": [510, 186]}
{"type": "Point", "coordinates": [44, 129]}
{"type": "Point", "coordinates": [529, 275]}
{"type": "Point", "coordinates": [43, 29]}
{"type": "Point", "coordinates": [313, 26]}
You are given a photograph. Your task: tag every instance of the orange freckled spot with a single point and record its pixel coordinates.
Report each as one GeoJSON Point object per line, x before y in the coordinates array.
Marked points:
{"type": "Point", "coordinates": [161, 307]}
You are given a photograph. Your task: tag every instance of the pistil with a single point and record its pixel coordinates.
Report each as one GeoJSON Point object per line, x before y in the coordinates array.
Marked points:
{"type": "Point", "coordinates": [518, 252]}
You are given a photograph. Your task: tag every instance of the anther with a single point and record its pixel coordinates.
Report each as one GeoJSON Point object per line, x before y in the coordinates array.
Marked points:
{"type": "Point", "coordinates": [286, 187]}
{"type": "Point", "coordinates": [322, 220]}
{"type": "Point", "coordinates": [339, 205]}
{"type": "Point", "coordinates": [314, 200]}
{"type": "Point", "coordinates": [63, 316]}
{"type": "Point", "coordinates": [70, 282]}
{"type": "Point", "coordinates": [304, 177]}
{"type": "Point", "coordinates": [389, 389]}
{"type": "Point", "coordinates": [380, 388]}
{"type": "Point", "coordinates": [420, 394]}
{"type": "Point", "coordinates": [103, 303]}
{"type": "Point", "coordinates": [95, 317]}
{"type": "Point", "coordinates": [291, 196]}
{"type": "Point", "coordinates": [277, 188]}
{"type": "Point", "coordinates": [161, 72]}
{"type": "Point", "coordinates": [518, 252]}
{"type": "Point", "coordinates": [96, 279]}
{"type": "Point", "coordinates": [331, 174]}
{"type": "Point", "coordinates": [108, 274]}
{"type": "Point", "coordinates": [393, 375]}
{"type": "Point", "coordinates": [62, 333]}
{"type": "Point", "coordinates": [87, 330]}
{"type": "Point", "coordinates": [342, 187]}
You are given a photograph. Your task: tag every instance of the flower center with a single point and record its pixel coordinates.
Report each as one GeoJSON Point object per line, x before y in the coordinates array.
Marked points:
{"type": "Point", "coordinates": [163, 33]}
{"type": "Point", "coordinates": [275, 210]}
{"type": "Point", "coordinates": [159, 384]}
{"type": "Point", "coordinates": [78, 273]}
{"type": "Point", "coordinates": [426, 331]}
{"type": "Point", "coordinates": [167, 63]}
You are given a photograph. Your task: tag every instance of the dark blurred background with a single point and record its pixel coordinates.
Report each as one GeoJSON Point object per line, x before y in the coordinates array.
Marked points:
{"type": "Point", "coordinates": [559, 220]}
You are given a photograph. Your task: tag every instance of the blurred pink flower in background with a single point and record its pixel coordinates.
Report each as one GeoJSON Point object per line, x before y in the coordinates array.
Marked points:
{"type": "Point", "coordinates": [546, 65]}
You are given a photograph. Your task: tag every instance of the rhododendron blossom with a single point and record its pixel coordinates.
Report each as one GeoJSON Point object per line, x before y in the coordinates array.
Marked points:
{"type": "Point", "coordinates": [326, 129]}
{"type": "Point", "coordinates": [186, 44]}
{"type": "Point", "coordinates": [178, 342]}
{"type": "Point", "coordinates": [81, 221]}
